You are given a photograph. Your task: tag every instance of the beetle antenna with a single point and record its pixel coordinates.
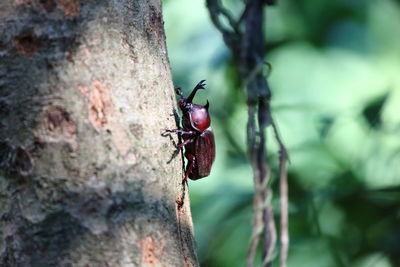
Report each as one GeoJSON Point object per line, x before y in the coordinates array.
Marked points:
{"type": "Point", "coordinates": [200, 85]}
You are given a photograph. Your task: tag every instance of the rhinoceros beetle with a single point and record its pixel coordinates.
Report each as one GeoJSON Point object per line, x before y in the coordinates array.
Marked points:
{"type": "Point", "coordinates": [197, 135]}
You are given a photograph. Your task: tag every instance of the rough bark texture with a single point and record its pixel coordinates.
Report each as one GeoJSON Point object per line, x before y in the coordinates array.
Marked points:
{"type": "Point", "coordinates": [85, 93]}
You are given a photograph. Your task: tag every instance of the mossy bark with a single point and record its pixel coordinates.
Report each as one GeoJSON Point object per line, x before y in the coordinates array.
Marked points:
{"type": "Point", "coordinates": [85, 93]}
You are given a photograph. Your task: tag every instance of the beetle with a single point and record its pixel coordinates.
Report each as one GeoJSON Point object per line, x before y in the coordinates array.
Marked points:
{"type": "Point", "coordinates": [197, 135]}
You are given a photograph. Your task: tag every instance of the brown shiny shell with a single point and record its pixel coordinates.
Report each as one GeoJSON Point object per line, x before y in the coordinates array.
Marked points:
{"type": "Point", "coordinates": [204, 150]}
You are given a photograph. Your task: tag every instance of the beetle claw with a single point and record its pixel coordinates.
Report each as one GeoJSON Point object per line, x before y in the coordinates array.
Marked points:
{"type": "Point", "coordinates": [201, 85]}
{"type": "Point", "coordinates": [166, 133]}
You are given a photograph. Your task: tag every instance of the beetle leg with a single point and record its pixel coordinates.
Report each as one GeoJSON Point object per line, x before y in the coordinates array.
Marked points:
{"type": "Point", "coordinates": [178, 147]}
{"type": "Point", "coordinates": [181, 132]}
{"type": "Point", "coordinates": [187, 141]}
{"type": "Point", "coordinates": [200, 85]}
{"type": "Point", "coordinates": [184, 132]}
{"type": "Point", "coordinates": [191, 162]}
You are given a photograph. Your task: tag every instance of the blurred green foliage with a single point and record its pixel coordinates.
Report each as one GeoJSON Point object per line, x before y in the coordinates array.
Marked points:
{"type": "Point", "coordinates": [336, 99]}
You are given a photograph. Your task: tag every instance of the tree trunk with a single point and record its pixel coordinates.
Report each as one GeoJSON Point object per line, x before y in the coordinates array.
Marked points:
{"type": "Point", "coordinates": [86, 92]}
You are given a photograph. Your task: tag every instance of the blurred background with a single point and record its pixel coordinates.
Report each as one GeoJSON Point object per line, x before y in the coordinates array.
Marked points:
{"type": "Point", "coordinates": [336, 99]}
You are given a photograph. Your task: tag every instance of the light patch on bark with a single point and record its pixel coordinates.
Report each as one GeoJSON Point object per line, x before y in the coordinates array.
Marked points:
{"type": "Point", "coordinates": [84, 91]}
{"type": "Point", "coordinates": [121, 140]}
{"type": "Point", "coordinates": [100, 105]}
{"type": "Point", "coordinates": [102, 115]}
{"type": "Point", "coordinates": [150, 251]}
{"type": "Point", "coordinates": [131, 159]}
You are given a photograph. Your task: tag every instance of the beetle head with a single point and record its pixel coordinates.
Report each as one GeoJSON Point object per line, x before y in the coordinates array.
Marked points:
{"type": "Point", "coordinates": [197, 115]}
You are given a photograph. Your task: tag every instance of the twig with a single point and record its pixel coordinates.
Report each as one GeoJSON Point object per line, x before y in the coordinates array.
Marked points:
{"type": "Point", "coordinates": [283, 188]}
{"type": "Point", "coordinates": [231, 36]}
{"type": "Point", "coordinates": [258, 92]}
{"type": "Point", "coordinates": [248, 50]}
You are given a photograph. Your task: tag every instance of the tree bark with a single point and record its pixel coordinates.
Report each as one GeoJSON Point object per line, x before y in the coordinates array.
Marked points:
{"type": "Point", "coordinates": [86, 92]}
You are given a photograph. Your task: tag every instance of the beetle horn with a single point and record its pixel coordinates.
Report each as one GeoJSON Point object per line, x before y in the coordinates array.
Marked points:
{"type": "Point", "coordinates": [207, 105]}
{"type": "Point", "coordinates": [200, 85]}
